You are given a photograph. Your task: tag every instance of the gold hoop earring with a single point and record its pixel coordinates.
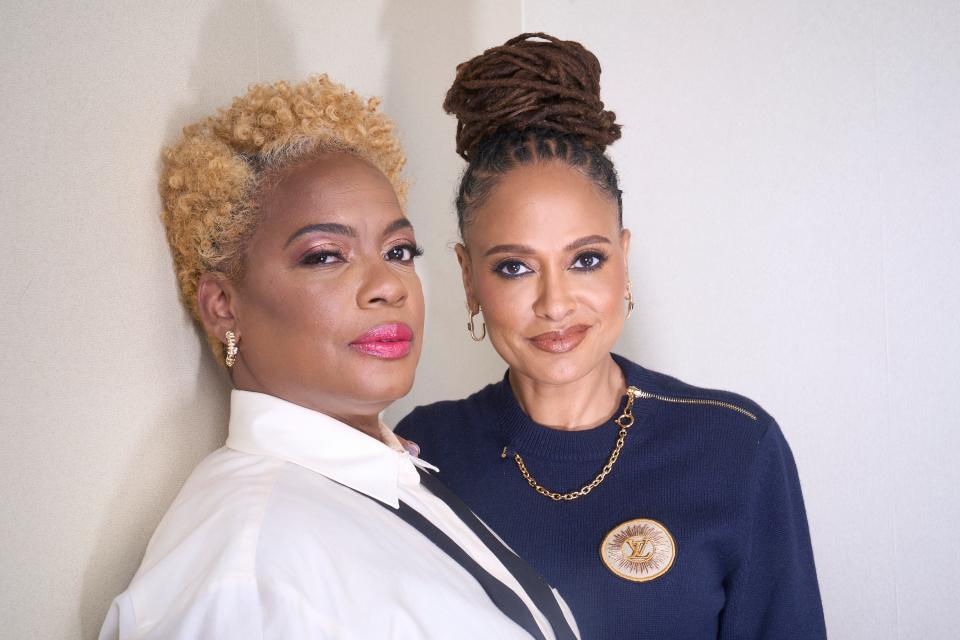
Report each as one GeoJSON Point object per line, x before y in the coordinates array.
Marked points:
{"type": "Point", "coordinates": [629, 299]}
{"type": "Point", "coordinates": [232, 349]}
{"type": "Point", "coordinates": [470, 327]}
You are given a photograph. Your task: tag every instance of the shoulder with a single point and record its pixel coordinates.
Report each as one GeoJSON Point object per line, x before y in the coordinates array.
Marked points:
{"type": "Point", "coordinates": [744, 441]}
{"type": "Point", "coordinates": [224, 499]}
{"type": "Point", "coordinates": [223, 489]}
{"type": "Point", "coordinates": [226, 493]}
{"type": "Point", "coordinates": [706, 410]}
{"type": "Point", "coordinates": [206, 544]}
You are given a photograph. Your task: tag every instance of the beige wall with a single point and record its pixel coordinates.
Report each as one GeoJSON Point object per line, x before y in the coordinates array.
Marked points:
{"type": "Point", "coordinates": [108, 397]}
{"type": "Point", "coordinates": [791, 173]}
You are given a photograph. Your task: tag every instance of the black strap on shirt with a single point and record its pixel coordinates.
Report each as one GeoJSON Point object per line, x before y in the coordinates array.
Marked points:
{"type": "Point", "coordinates": [503, 596]}
{"type": "Point", "coordinates": [531, 581]}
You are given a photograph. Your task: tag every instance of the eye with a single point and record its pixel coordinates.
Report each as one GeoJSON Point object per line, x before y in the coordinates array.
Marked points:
{"type": "Point", "coordinates": [403, 253]}
{"type": "Point", "coordinates": [512, 269]}
{"type": "Point", "coordinates": [322, 257]}
{"type": "Point", "coordinates": [589, 261]}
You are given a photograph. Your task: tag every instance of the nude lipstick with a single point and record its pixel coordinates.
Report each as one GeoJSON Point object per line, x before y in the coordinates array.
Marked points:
{"type": "Point", "coordinates": [560, 341]}
{"type": "Point", "coordinates": [387, 341]}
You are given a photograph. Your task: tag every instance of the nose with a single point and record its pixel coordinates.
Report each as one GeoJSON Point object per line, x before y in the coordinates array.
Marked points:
{"type": "Point", "coordinates": [555, 300]}
{"type": "Point", "coordinates": [381, 286]}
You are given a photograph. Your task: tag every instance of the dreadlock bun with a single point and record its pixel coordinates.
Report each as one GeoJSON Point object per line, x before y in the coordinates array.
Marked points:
{"type": "Point", "coordinates": [532, 81]}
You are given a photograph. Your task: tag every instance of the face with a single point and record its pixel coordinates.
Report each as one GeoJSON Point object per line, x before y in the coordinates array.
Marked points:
{"type": "Point", "coordinates": [329, 311]}
{"type": "Point", "coordinates": [546, 260]}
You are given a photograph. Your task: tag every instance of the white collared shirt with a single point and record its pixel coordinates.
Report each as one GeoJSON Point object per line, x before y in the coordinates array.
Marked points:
{"type": "Point", "coordinates": [270, 538]}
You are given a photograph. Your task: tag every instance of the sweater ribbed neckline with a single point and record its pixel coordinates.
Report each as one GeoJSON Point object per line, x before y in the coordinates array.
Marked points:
{"type": "Point", "coordinates": [523, 435]}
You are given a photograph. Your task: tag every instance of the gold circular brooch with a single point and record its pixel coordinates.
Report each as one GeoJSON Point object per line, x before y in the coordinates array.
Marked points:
{"type": "Point", "coordinates": [638, 550]}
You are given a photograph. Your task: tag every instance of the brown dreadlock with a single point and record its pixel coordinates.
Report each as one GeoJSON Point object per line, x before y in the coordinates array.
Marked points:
{"type": "Point", "coordinates": [524, 83]}
{"type": "Point", "coordinates": [535, 97]}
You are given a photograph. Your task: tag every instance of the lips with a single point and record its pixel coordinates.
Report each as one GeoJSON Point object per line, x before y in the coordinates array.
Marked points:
{"type": "Point", "coordinates": [386, 341]}
{"type": "Point", "coordinates": [560, 341]}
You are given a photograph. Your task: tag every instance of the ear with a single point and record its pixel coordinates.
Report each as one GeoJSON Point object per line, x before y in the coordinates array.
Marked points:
{"type": "Point", "coordinates": [466, 271]}
{"type": "Point", "coordinates": [215, 302]}
{"type": "Point", "coordinates": [625, 247]}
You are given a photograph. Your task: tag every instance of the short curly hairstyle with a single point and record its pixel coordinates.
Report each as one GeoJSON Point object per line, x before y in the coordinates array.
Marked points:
{"type": "Point", "coordinates": [212, 176]}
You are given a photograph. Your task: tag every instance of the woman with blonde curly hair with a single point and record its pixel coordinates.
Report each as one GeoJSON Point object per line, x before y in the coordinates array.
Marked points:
{"type": "Point", "coordinates": [283, 214]}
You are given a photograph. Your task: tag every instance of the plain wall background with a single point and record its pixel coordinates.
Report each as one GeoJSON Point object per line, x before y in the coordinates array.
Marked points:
{"type": "Point", "coordinates": [792, 179]}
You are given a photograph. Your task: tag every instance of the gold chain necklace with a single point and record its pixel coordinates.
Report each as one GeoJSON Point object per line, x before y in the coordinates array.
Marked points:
{"type": "Point", "coordinates": [624, 421]}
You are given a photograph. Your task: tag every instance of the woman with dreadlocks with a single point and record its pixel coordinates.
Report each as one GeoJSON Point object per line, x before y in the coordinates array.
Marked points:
{"type": "Point", "coordinates": [659, 509]}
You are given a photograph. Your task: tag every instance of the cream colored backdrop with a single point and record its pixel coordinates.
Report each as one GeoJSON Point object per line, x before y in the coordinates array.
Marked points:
{"type": "Point", "coordinates": [791, 172]}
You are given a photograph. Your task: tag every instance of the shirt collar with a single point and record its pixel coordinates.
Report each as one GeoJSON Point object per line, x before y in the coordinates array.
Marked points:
{"type": "Point", "coordinates": [261, 424]}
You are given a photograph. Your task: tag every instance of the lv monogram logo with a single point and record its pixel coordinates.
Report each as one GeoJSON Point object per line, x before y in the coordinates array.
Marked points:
{"type": "Point", "coordinates": [638, 550]}
{"type": "Point", "coordinates": [641, 549]}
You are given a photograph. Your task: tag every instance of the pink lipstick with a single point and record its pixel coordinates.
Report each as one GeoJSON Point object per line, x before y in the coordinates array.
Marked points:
{"type": "Point", "coordinates": [561, 341]}
{"type": "Point", "coordinates": [387, 341]}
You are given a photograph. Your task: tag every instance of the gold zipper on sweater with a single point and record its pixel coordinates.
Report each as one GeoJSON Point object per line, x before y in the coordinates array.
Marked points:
{"type": "Point", "coordinates": [717, 403]}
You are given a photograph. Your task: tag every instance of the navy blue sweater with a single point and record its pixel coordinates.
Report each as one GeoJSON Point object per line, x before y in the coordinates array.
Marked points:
{"type": "Point", "coordinates": [722, 483]}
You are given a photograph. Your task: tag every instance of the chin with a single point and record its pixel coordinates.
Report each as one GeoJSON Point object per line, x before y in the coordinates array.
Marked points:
{"type": "Point", "coordinates": [387, 381]}
{"type": "Point", "coordinates": [386, 392]}
{"type": "Point", "coordinates": [558, 369]}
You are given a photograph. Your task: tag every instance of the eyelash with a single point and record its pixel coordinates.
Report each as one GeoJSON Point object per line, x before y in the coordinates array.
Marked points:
{"type": "Point", "coordinates": [415, 252]}
{"type": "Point", "coordinates": [600, 257]}
{"type": "Point", "coordinates": [320, 258]}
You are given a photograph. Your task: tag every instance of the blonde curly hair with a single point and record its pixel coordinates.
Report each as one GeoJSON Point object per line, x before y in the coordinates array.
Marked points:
{"type": "Point", "coordinates": [212, 176]}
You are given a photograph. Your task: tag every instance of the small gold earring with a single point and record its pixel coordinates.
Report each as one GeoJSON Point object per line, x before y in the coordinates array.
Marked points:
{"type": "Point", "coordinates": [470, 327]}
{"type": "Point", "coordinates": [232, 349]}
{"type": "Point", "coordinates": [629, 299]}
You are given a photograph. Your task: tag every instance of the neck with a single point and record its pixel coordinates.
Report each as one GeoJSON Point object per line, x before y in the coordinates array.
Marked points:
{"type": "Point", "coordinates": [367, 424]}
{"type": "Point", "coordinates": [574, 406]}
{"type": "Point", "coordinates": [363, 418]}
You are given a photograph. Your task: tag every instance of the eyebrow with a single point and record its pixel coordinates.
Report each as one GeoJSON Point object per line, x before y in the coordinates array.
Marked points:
{"type": "Point", "coordinates": [582, 242]}
{"type": "Point", "coordinates": [344, 230]}
{"type": "Point", "coordinates": [324, 227]}
{"type": "Point", "coordinates": [396, 225]}
{"type": "Point", "coordinates": [522, 249]}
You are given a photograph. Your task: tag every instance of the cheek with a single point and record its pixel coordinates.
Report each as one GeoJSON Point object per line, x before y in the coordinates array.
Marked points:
{"type": "Point", "coordinates": [506, 304]}
{"type": "Point", "coordinates": [606, 301]}
{"type": "Point", "coordinates": [289, 307]}
{"type": "Point", "coordinates": [415, 299]}
{"type": "Point", "coordinates": [607, 296]}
